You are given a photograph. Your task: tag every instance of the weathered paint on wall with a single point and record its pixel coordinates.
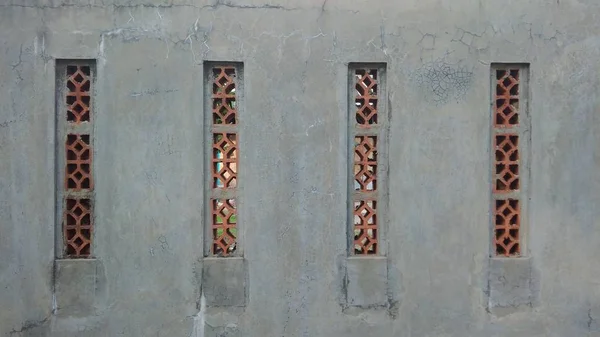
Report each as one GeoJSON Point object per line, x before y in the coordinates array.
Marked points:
{"type": "Point", "coordinates": [149, 167]}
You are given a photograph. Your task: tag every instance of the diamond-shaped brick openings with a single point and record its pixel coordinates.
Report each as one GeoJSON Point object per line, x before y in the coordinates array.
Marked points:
{"type": "Point", "coordinates": [224, 228]}
{"type": "Point", "coordinates": [78, 172]}
{"type": "Point", "coordinates": [366, 96]}
{"type": "Point", "coordinates": [365, 227]}
{"type": "Point", "coordinates": [365, 134]}
{"type": "Point", "coordinates": [508, 127]}
{"type": "Point", "coordinates": [506, 147]}
{"type": "Point", "coordinates": [365, 163]}
{"type": "Point", "coordinates": [506, 228]}
{"type": "Point", "coordinates": [506, 102]}
{"type": "Point", "coordinates": [224, 109]}
{"type": "Point", "coordinates": [76, 78]}
{"type": "Point", "coordinates": [224, 166]}
{"type": "Point", "coordinates": [77, 227]}
{"type": "Point", "coordinates": [78, 94]}
{"type": "Point", "coordinates": [223, 159]}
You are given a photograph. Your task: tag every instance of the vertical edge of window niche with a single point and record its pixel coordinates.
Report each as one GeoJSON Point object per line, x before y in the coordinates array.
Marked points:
{"type": "Point", "coordinates": [513, 282]}
{"type": "Point", "coordinates": [77, 271]}
{"type": "Point", "coordinates": [366, 276]}
{"type": "Point", "coordinates": [225, 271]}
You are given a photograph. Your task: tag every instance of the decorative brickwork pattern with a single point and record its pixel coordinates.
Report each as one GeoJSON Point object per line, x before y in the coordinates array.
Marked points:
{"type": "Point", "coordinates": [224, 167]}
{"type": "Point", "coordinates": [507, 163]}
{"type": "Point", "coordinates": [506, 102]}
{"type": "Point", "coordinates": [365, 163]}
{"type": "Point", "coordinates": [506, 155]}
{"type": "Point", "coordinates": [78, 227]}
{"type": "Point", "coordinates": [78, 186]}
{"type": "Point", "coordinates": [224, 226]}
{"type": "Point", "coordinates": [507, 227]}
{"type": "Point", "coordinates": [366, 97]}
{"type": "Point", "coordinates": [365, 227]}
{"type": "Point", "coordinates": [224, 159]}
{"type": "Point", "coordinates": [365, 133]}
{"type": "Point", "coordinates": [79, 163]}
{"type": "Point", "coordinates": [223, 96]}
{"type": "Point", "coordinates": [78, 94]}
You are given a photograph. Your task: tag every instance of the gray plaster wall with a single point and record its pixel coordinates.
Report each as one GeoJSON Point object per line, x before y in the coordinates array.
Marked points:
{"type": "Point", "coordinates": [147, 277]}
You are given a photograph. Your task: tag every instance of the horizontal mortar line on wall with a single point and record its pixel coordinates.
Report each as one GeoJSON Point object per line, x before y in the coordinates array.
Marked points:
{"type": "Point", "coordinates": [82, 128]}
{"type": "Point", "coordinates": [224, 128]}
{"type": "Point", "coordinates": [223, 193]}
{"type": "Point", "coordinates": [508, 130]}
{"type": "Point", "coordinates": [84, 194]}
{"type": "Point", "coordinates": [364, 195]}
{"type": "Point", "coordinates": [498, 195]}
{"type": "Point", "coordinates": [367, 131]}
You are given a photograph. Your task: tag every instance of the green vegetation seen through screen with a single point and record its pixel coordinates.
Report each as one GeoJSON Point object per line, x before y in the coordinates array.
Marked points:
{"type": "Point", "coordinates": [232, 219]}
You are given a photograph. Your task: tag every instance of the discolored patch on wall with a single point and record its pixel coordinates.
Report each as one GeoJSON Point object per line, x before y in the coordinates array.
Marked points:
{"type": "Point", "coordinates": [226, 331]}
{"type": "Point", "coordinates": [441, 82]}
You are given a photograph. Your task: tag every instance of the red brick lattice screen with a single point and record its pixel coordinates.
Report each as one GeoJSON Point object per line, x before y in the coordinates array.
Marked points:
{"type": "Point", "coordinates": [364, 203]}
{"type": "Point", "coordinates": [366, 96]}
{"type": "Point", "coordinates": [507, 163]}
{"type": "Point", "coordinates": [365, 161]}
{"type": "Point", "coordinates": [507, 98]}
{"type": "Point", "coordinates": [224, 161]}
{"type": "Point", "coordinates": [507, 227]}
{"type": "Point", "coordinates": [78, 227]}
{"type": "Point", "coordinates": [506, 182]}
{"type": "Point", "coordinates": [78, 96]}
{"type": "Point", "coordinates": [79, 163]}
{"type": "Point", "coordinates": [78, 182]}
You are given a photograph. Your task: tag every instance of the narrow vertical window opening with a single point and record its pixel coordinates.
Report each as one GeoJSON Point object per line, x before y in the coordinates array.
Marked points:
{"type": "Point", "coordinates": [224, 155]}
{"type": "Point", "coordinates": [508, 126]}
{"type": "Point", "coordinates": [75, 123]}
{"type": "Point", "coordinates": [365, 137]}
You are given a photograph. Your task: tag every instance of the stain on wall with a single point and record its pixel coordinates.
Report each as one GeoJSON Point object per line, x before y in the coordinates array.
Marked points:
{"type": "Point", "coordinates": [441, 82]}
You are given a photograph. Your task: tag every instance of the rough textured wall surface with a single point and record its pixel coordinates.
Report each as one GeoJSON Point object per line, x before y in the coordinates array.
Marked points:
{"type": "Point", "coordinates": [149, 166]}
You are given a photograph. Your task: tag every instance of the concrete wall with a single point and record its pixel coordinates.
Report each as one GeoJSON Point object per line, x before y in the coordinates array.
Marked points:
{"type": "Point", "coordinates": [437, 279]}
